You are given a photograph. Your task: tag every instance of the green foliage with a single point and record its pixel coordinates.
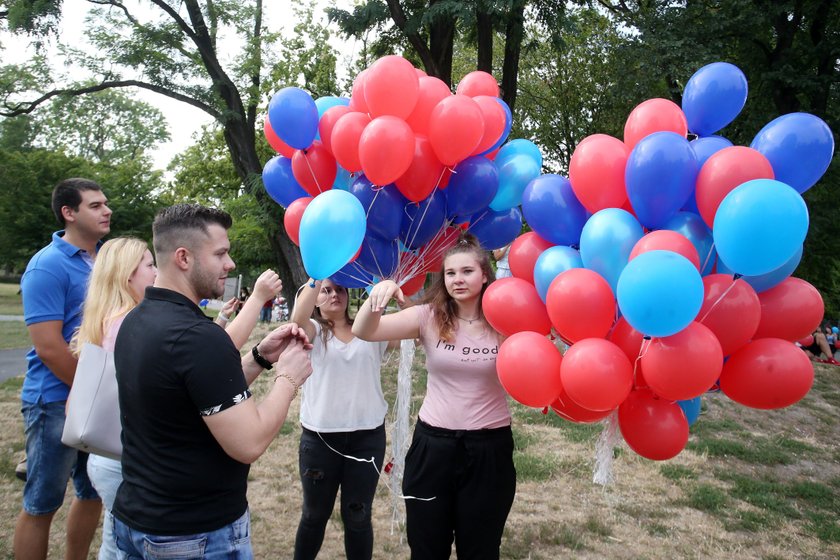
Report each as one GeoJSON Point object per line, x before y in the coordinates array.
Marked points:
{"type": "Point", "coordinates": [706, 497]}
{"type": "Point", "coordinates": [36, 17]}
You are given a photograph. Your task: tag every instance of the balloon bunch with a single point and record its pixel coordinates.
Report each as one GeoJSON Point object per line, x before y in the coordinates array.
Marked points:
{"type": "Point", "coordinates": [372, 184]}
{"type": "Point", "coordinates": [665, 264]}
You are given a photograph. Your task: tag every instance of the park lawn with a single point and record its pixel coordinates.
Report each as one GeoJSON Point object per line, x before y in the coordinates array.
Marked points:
{"type": "Point", "coordinates": [10, 300]}
{"type": "Point", "coordinates": [751, 484]}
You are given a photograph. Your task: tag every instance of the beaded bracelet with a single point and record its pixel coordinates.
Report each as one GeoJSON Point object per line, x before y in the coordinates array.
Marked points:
{"type": "Point", "coordinates": [288, 378]}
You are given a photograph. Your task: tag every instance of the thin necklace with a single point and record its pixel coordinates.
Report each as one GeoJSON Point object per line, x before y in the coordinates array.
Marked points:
{"type": "Point", "coordinates": [469, 321]}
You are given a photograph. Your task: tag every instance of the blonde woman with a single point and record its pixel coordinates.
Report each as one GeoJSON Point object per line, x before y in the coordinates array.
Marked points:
{"type": "Point", "coordinates": [123, 270]}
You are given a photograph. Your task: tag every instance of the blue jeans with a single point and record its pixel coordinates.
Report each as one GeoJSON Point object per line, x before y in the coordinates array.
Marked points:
{"type": "Point", "coordinates": [233, 541]}
{"type": "Point", "coordinates": [50, 463]}
{"type": "Point", "coordinates": [106, 476]}
{"type": "Point", "coordinates": [322, 471]}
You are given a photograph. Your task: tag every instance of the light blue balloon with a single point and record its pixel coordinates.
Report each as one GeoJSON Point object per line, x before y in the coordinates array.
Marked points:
{"type": "Point", "coordinates": [660, 293]}
{"type": "Point", "coordinates": [713, 97]}
{"type": "Point", "coordinates": [759, 226]}
{"type": "Point", "coordinates": [607, 240]}
{"type": "Point", "coordinates": [693, 228]}
{"type": "Point", "coordinates": [331, 231]}
{"type": "Point", "coordinates": [551, 263]}
{"type": "Point", "coordinates": [799, 147]}
{"type": "Point", "coordinates": [343, 179]}
{"type": "Point", "coordinates": [515, 172]}
{"type": "Point", "coordinates": [764, 282]}
{"type": "Point", "coordinates": [328, 102]}
{"type": "Point", "coordinates": [691, 409]}
{"type": "Point", "coordinates": [520, 146]}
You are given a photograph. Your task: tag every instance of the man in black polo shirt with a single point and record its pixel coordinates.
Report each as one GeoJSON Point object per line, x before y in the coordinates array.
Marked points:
{"type": "Point", "coordinates": [190, 428]}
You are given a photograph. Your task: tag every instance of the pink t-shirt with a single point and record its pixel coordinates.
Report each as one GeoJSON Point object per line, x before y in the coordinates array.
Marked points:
{"type": "Point", "coordinates": [463, 391]}
{"type": "Point", "coordinates": [109, 339]}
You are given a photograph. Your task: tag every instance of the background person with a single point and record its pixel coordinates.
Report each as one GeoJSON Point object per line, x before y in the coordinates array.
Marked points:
{"type": "Point", "coordinates": [53, 288]}
{"type": "Point", "coordinates": [462, 451]}
{"type": "Point", "coordinates": [502, 264]}
{"type": "Point", "coordinates": [124, 269]}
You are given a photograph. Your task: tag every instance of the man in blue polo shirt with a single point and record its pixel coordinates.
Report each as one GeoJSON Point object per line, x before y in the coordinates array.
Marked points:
{"type": "Point", "coordinates": [53, 289]}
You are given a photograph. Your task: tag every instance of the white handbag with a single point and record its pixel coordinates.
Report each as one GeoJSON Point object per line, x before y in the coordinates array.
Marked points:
{"type": "Point", "coordinates": [93, 407]}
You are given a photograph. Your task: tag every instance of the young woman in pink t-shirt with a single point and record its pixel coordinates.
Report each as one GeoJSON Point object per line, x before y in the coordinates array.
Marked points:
{"type": "Point", "coordinates": [462, 451]}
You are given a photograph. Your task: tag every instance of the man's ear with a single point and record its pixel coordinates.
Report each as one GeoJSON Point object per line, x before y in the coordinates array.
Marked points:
{"type": "Point", "coordinates": [182, 258]}
{"type": "Point", "coordinates": [68, 214]}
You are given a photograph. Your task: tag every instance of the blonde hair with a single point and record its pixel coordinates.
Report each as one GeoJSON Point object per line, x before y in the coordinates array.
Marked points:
{"type": "Point", "coordinates": [109, 295]}
{"type": "Point", "coordinates": [440, 302]}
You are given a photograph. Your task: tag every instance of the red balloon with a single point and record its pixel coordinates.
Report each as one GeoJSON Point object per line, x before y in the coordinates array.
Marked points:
{"type": "Point", "coordinates": [327, 123]}
{"type": "Point", "coordinates": [666, 240]}
{"type": "Point", "coordinates": [523, 254]}
{"type": "Point", "coordinates": [529, 369]}
{"type": "Point", "coordinates": [512, 305]}
{"type": "Point", "coordinates": [456, 126]}
{"type": "Point", "coordinates": [767, 373]}
{"type": "Point", "coordinates": [654, 428]}
{"type": "Point", "coordinates": [807, 341]}
{"type": "Point", "coordinates": [292, 216]}
{"type": "Point", "coordinates": [580, 304]}
{"type": "Point", "coordinates": [386, 149]}
{"type": "Point", "coordinates": [432, 91]}
{"type": "Point", "coordinates": [627, 338]}
{"type": "Point", "coordinates": [275, 142]}
{"type": "Point", "coordinates": [653, 115]}
{"type": "Point", "coordinates": [790, 311]}
{"type": "Point", "coordinates": [357, 94]}
{"type": "Point", "coordinates": [494, 122]}
{"type": "Point", "coordinates": [423, 174]}
{"type": "Point", "coordinates": [568, 409]}
{"type": "Point", "coordinates": [596, 172]}
{"type": "Point", "coordinates": [314, 168]}
{"type": "Point", "coordinates": [391, 87]}
{"type": "Point", "coordinates": [733, 317]}
{"type": "Point", "coordinates": [684, 365]}
{"type": "Point", "coordinates": [413, 284]}
{"type": "Point", "coordinates": [596, 374]}
{"type": "Point", "coordinates": [345, 137]}
{"type": "Point", "coordinates": [478, 83]}
{"type": "Point", "coordinates": [724, 171]}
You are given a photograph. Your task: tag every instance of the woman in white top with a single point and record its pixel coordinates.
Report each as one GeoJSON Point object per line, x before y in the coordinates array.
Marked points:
{"type": "Point", "coordinates": [342, 408]}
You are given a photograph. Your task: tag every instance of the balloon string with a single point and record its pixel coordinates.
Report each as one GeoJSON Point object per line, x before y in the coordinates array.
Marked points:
{"type": "Point", "coordinates": [646, 342]}
{"type": "Point", "coordinates": [708, 256]}
{"type": "Point", "coordinates": [312, 171]}
{"type": "Point", "coordinates": [372, 202]}
{"type": "Point", "coordinates": [473, 222]}
{"type": "Point", "coordinates": [422, 217]}
{"type": "Point", "coordinates": [718, 300]}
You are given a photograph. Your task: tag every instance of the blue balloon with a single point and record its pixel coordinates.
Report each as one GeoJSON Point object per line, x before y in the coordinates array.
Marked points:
{"type": "Point", "coordinates": [607, 240]}
{"type": "Point", "coordinates": [660, 293]}
{"type": "Point", "coordinates": [713, 97]}
{"type": "Point", "coordinates": [280, 182]}
{"type": "Point", "coordinates": [294, 117]}
{"type": "Point", "coordinates": [759, 226]}
{"type": "Point", "coordinates": [505, 133]}
{"type": "Point", "coordinates": [383, 206]}
{"type": "Point", "coordinates": [324, 104]}
{"type": "Point", "coordinates": [798, 146]}
{"type": "Point", "coordinates": [423, 220]}
{"type": "Point", "coordinates": [707, 146]}
{"type": "Point", "coordinates": [552, 210]}
{"type": "Point", "coordinates": [691, 409]}
{"type": "Point", "coordinates": [331, 231]}
{"type": "Point", "coordinates": [495, 230]}
{"type": "Point", "coordinates": [473, 185]}
{"type": "Point", "coordinates": [343, 179]}
{"type": "Point", "coordinates": [520, 146]}
{"type": "Point", "coordinates": [515, 172]}
{"type": "Point", "coordinates": [660, 176]}
{"type": "Point", "coordinates": [552, 262]}
{"type": "Point", "coordinates": [835, 330]}
{"type": "Point", "coordinates": [379, 256]}
{"type": "Point", "coordinates": [693, 228]}
{"type": "Point", "coordinates": [764, 282]}
{"type": "Point", "coordinates": [352, 275]}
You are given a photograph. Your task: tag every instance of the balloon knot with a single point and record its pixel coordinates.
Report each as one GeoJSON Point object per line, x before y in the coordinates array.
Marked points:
{"type": "Point", "coordinates": [312, 285]}
{"type": "Point", "coordinates": [551, 336]}
{"type": "Point", "coordinates": [647, 337]}
{"type": "Point", "coordinates": [545, 410]}
{"type": "Point", "coordinates": [737, 276]}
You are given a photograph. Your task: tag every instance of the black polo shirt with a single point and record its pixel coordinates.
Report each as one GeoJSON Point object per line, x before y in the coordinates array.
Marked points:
{"type": "Point", "coordinates": [173, 365]}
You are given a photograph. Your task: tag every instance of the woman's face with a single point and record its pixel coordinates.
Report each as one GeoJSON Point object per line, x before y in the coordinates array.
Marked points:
{"type": "Point", "coordinates": [332, 300]}
{"type": "Point", "coordinates": [143, 276]}
{"type": "Point", "coordinates": [463, 277]}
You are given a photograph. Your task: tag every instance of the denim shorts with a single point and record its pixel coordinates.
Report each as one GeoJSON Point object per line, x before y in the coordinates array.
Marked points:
{"type": "Point", "coordinates": [50, 463]}
{"type": "Point", "coordinates": [233, 541]}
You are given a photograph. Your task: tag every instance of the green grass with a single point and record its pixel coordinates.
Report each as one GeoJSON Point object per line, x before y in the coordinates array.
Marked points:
{"type": "Point", "coordinates": [677, 472]}
{"type": "Point", "coordinates": [521, 544]}
{"type": "Point", "coordinates": [755, 449]}
{"type": "Point", "coordinates": [14, 334]}
{"type": "Point", "coordinates": [707, 498]}
{"type": "Point", "coordinates": [533, 468]}
{"type": "Point", "coordinates": [10, 301]}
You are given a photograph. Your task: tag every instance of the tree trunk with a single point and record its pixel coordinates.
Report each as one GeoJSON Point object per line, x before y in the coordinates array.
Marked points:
{"type": "Point", "coordinates": [484, 36]}
{"type": "Point", "coordinates": [514, 34]}
{"type": "Point", "coordinates": [441, 40]}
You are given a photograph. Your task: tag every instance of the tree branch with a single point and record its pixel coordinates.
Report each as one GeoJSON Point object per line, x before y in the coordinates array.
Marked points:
{"type": "Point", "coordinates": [177, 19]}
{"type": "Point", "coordinates": [28, 107]}
{"type": "Point", "coordinates": [399, 17]}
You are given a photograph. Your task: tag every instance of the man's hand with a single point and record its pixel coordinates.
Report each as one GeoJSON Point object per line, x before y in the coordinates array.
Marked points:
{"type": "Point", "coordinates": [280, 338]}
{"type": "Point", "coordinates": [267, 286]}
{"type": "Point", "coordinates": [294, 362]}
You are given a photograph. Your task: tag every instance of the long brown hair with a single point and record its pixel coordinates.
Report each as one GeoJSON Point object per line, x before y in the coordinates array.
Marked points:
{"type": "Point", "coordinates": [441, 303]}
{"type": "Point", "coordinates": [328, 325]}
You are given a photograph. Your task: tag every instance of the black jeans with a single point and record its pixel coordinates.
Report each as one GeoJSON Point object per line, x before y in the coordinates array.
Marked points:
{"type": "Point", "coordinates": [471, 476]}
{"type": "Point", "coordinates": [322, 471]}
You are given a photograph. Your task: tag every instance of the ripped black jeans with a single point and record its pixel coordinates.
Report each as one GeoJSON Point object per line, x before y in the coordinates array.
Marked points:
{"type": "Point", "coordinates": [322, 472]}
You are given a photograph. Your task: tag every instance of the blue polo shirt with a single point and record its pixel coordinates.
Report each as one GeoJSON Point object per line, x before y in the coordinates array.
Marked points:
{"type": "Point", "coordinates": [53, 289]}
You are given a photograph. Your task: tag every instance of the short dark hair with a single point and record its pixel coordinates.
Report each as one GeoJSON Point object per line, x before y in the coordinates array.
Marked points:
{"type": "Point", "coordinates": [177, 226]}
{"type": "Point", "coordinates": [68, 193]}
